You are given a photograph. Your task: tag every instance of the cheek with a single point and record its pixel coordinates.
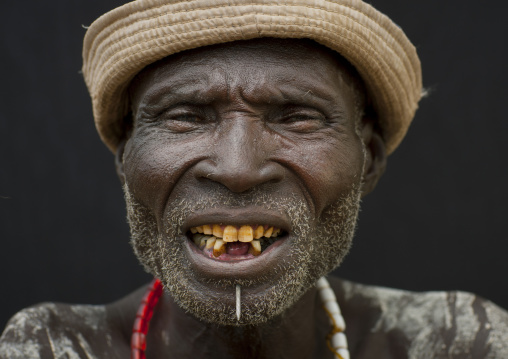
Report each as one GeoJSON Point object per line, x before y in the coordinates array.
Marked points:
{"type": "Point", "coordinates": [330, 169]}
{"type": "Point", "coordinates": [153, 165]}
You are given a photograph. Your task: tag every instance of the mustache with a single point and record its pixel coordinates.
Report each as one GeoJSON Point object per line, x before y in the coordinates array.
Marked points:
{"type": "Point", "coordinates": [254, 197]}
{"type": "Point", "coordinates": [180, 207]}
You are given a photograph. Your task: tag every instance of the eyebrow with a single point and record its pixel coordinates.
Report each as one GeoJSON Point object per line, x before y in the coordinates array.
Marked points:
{"type": "Point", "coordinates": [199, 91]}
{"type": "Point", "coordinates": [306, 92]}
{"type": "Point", "coordinates": [184, 90]}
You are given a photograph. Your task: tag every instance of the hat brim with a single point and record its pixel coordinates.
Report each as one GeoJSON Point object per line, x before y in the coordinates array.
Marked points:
{"type": "Point", "coordinates": [122, 42]}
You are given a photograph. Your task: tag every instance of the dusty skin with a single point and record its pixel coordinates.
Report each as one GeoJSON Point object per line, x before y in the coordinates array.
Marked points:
{"type": "Point", "coordinates": [272, 132]}
{"type": "Point", "coordinates": [393, 324]}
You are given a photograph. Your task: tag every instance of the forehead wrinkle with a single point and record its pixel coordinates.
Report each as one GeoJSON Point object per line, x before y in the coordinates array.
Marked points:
{"type": "Point", "coordinates": [246, 73]}
{"type": "Point", "coordinates": [197, 88]}
{"type": "Point", "coordinates": [192, 79]}
{"type": "Point", "coordinates": [292, 93]}
{"type": "Point", "coordinates": [268, 84]}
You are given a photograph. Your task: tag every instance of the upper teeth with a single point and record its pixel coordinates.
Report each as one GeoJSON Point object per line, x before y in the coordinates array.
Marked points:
{"type": "Point", "coordinates": [216, 236]}
{"type": "Point", "coordinates": [231, 233]}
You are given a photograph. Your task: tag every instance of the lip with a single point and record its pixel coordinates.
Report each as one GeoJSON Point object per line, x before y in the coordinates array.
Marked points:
{"type": "Point", "coordinates": [237, 217]}
{"type": "Point", "coordinates": [247, 269]}
{"type": "Point", "coordinates": [252, 268]}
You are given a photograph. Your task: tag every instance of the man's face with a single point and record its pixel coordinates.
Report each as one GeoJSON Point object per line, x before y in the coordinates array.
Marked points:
{"type": "Point", "coordinates": [258, 133]}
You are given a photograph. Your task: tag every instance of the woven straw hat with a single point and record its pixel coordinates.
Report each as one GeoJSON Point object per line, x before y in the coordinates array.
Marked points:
{"type": "Point", "coordinates": [122, 42]}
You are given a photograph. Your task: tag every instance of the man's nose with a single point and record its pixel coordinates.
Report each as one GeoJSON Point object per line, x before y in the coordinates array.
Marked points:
{"type": "Point", "coordinates": [242, 158]}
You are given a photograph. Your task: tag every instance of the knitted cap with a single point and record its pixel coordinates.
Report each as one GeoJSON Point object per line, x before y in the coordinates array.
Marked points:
{"type": "Point", "coordinates": [122, 42]}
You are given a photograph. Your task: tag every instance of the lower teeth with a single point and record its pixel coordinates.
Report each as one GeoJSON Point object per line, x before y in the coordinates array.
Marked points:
{"type": "Point", "coordinates": [218, 246]}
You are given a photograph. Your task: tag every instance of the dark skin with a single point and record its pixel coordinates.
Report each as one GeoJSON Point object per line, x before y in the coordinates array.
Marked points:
{"type": "Point", "coordinates": [244, 116]}
{"type": "Point", "coordinates": [249, 121]}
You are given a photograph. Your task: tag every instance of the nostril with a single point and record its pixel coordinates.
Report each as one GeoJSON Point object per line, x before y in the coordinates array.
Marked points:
{"type": "Point", "coordinates": [273, 172]}
{"type": "Point", "coordinates": [205, 169]}
{"type": "Point", "coordinates": [239, 178]}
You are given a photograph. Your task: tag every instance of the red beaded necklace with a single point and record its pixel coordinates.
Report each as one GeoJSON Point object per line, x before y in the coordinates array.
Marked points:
{"type": "Point", "coordinates": [336, 340]}
{"type": "Point", "coordinates": [143, 317]}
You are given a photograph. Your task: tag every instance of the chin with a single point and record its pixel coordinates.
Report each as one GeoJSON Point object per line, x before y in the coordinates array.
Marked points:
{"type": "Point", "coordinates": [271, 282]}
{"type": "Point", "coordinates": [258, 305]}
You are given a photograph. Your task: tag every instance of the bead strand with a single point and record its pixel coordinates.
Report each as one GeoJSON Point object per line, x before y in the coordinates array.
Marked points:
{"type": "Point", "coordinates": [143, 317]}
{"type": "Point", "coordinates": [336, 340]}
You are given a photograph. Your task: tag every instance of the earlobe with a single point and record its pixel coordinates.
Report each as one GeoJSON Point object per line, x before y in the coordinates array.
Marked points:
{"type": "Point", "coordinates": [375, 163]}
{"type": "Point", "coordinates": [119, 161]}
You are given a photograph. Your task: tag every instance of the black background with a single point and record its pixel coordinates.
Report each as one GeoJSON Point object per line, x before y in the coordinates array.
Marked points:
{"type": "Point", "coordinates": [437, 219]}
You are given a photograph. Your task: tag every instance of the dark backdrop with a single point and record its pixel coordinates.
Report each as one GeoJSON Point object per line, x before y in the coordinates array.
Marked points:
{"type": "Point", "coordinates": [437, 219]}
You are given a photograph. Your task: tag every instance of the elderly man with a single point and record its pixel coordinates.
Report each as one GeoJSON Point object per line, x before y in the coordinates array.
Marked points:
{"type": "Point", "coordinates": [245, 134]}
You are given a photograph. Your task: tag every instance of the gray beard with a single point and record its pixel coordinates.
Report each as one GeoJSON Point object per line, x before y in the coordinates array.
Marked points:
{"type": "Point", "coordinates": [318, 246]}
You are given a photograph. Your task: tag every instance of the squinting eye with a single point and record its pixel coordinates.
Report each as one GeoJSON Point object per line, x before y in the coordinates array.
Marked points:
{"type": "Point", "coordinates": [184, 117]}
{"type": "Point", "coordinates": [303, 122]}
{"type": "Point", "coordinates": [298, 118]}
{"type": "Point", "coordinates": [181, 121]}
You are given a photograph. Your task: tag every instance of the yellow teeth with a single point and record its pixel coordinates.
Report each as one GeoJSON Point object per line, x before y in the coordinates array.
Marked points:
{"type": "Point", "coordinates": [245, 234]}
{"type": "Point", "coordinates": [219, 247]}
{"type": "Point", "coordinates": [210, 242]}
{"type": "Point", "coordinates": [255, 248]}
{"type": "Point", "coordinates": [207, 229]}
{"type": "Point", "coordinates": [258, 233]}
{"type": "Point", "coordinates": [217, 231]}
{"type": "Point", "coordinates": [230, 234]}
{"type": "Point", "coordinates": [216, 236]}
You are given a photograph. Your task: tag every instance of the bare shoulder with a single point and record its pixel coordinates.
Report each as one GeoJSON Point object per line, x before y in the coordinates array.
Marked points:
{"type": "Point", "coordinates": [53, 330]}
{"type": "Point", "coordinates": [428, 324]}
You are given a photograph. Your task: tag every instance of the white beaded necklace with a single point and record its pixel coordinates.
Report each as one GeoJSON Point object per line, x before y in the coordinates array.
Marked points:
{"type": "Point", "coordinates": [336, 340]}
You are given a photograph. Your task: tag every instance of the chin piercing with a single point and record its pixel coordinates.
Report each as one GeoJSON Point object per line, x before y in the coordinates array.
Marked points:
{"type": "Point", "coordinates": [238, 303]}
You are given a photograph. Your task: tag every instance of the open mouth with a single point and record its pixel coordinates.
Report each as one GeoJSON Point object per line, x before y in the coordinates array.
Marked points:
{"type": "Point", "coordinates": [229, 242]}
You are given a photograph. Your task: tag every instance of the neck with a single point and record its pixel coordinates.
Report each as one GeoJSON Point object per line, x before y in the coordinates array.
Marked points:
{"type": "Point", "coordinates": [298, 333]}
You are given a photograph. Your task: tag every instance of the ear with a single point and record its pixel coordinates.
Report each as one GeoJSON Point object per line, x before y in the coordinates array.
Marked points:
{"type": "Point", "coordinates": [375, 163]}
{"type": "Point", "coordinates": [119, 160]}
{"type": "Point", "coordinates": [127, 132]}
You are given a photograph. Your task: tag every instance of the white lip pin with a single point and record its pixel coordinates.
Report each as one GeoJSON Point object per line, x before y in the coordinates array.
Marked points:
{"type": "Point", "coordinates": [238, 303]}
